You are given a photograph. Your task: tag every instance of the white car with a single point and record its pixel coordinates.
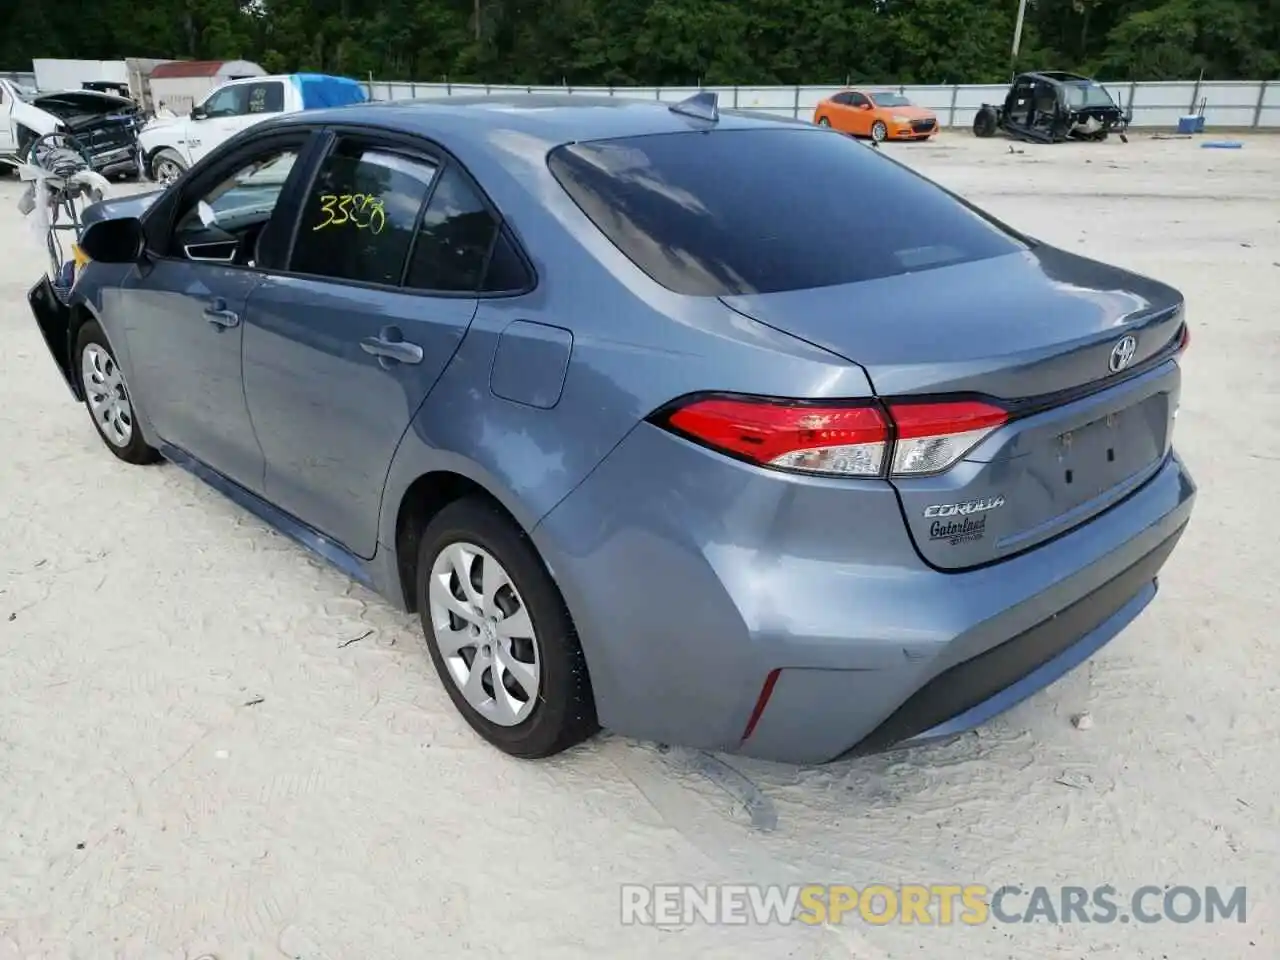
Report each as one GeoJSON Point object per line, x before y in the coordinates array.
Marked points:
{"type": "Point", "coordinates": [168, 147]}
{"type": "Point", "coordinates": [104, 125]}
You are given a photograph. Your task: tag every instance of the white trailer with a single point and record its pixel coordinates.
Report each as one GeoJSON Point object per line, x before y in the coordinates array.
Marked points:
{"type": "Point", "coordinates": [54, 75]}
{"type": "Point", "coordinates": [180, 84]}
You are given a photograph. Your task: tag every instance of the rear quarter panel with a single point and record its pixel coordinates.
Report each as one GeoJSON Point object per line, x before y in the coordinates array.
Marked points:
{"type": "Point", "coordinates": [635, 346]}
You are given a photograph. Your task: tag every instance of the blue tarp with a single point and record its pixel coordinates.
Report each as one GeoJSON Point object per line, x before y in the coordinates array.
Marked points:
{"type": "Point", "coordinates": [320, 90]}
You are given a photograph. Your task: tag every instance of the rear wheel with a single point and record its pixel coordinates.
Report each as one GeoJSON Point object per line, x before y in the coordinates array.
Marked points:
{"type": "Point", "coordinates": [499, 633]}
{"type": "Point", "coordinates": [107, 398]}
{"type": "Point", "coordinates": [167, 166]}
{"type": "Point", "coordinates": [824, 122]}
{"type": "Point", "coordinates": [879, 132]}
{"type": "Point", "coordinates": [984, 124]}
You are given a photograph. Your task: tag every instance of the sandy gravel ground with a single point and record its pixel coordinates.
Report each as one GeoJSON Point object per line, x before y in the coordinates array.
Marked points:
{"type": "Point", "coordinates": [195, 758]}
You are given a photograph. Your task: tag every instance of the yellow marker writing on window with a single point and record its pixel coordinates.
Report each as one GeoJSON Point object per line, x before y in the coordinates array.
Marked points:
{"type": "Point", "coordinates": [362, 211]}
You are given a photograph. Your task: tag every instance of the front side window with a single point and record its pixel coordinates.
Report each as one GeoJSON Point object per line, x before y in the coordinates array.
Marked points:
{"type": "Point", "coordinates": [731, 212]}
{"type": "Point", "coordinates": [227, 102]}
{"type": "Point", "coordinates": [358, 221]}
{"type": "Point", "coordinates": [859, 100]}
{"type": "Point", "coordinates": [224, 223]}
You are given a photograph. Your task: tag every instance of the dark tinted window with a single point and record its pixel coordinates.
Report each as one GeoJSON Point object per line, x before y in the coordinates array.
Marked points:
{"type": "Point", "coordinates": [359, 219]}
{"type": "Point", "coordinates": [758, 211]}
{"type": "Point", "coordinates": [454, 239]}
{"type": "Point", "coordinates": [264, 97]}
{"type": "Point", "coordinates": [507, 271]}
{"type": "Point", "coordinates": [859, 100]}
{"type": "Point", "coordinates": [844, 99]}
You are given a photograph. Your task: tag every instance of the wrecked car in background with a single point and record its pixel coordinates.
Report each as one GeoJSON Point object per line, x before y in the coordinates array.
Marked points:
{"type": "Point", "coordinates": [1051, 107]}
{"type": "Point", "coordinates": [104, 125]}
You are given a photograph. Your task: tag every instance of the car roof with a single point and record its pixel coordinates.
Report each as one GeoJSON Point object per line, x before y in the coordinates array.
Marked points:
{"type": "Point", "coordinates": [562, 118]}
{"type": "Point", "coordinates": [1059, 76]}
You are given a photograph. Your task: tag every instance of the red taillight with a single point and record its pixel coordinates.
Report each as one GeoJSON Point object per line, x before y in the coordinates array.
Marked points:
{"type": "Point", "coordinates": [1184, 338]}
{"type": "Point", "coordinates": [856, 440]}
{"type": "Point", "coordinates": [841, 441]}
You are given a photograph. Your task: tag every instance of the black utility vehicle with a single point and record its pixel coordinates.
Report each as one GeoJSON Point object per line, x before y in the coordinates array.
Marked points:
{"type": "Point", "coordinates": [1051, 107]}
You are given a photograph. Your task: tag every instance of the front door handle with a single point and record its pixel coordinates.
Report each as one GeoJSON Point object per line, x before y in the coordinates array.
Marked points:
{"type": "Point", "coordinates": [218, 314]}
{"type": "Point", "coordinates": [385, 348]}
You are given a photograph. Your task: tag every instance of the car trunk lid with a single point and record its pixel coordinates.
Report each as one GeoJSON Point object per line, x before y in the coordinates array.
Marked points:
{"type": "Point", "coordinates": [1076, 352]}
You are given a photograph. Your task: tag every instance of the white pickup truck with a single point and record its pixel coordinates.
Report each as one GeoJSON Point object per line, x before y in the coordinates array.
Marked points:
{"type": "Point", "coordinates": [170, 146]}
{"type": "Point", "coordinates": [105, 125]}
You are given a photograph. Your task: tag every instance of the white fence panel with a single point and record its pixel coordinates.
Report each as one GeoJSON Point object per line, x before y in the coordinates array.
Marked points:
{"type": "Point", "coordinates": [1227, 103]}
{"type": "Point", "coordinates": [1269, 106]}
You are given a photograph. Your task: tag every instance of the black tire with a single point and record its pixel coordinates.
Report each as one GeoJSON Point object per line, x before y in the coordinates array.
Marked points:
{"type": "Point", "coordinates": [135, 450]}
{"type": "Point", "coordinates": [824, 122]}
{"type": "Point", "coordinates": [564, 713]}
{"type": "Point", "coordinates": [879, 131]}
{"type": "Point", "coordinates": [984, 123]}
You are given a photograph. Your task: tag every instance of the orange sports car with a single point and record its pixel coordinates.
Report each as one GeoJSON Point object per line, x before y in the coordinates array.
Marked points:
{"type": "Point", "coordinates": [878, 114]}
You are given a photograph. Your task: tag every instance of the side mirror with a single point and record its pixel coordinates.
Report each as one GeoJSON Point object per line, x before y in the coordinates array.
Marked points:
{"type": "Point", "coordinates": [121, 240]}
{"type": "Point", "coordinates": [199, 113]}
{"type": "Point", "coordinates": [864, 106]}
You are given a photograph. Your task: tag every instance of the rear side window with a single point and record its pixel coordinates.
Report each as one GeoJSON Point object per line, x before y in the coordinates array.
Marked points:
{"type": "Point", "coordinates": [454, 240]}
{"type": "Point", "coordinates": [265, 97]}
{"type": "Point", "coordinates": [507, 272]}
{"type": "Point", "coordinates": [732, 212]}
{"type": "Point", "coordinates": [359, 220]}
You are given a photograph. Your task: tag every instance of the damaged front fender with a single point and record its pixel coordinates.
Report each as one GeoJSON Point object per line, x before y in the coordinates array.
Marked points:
{"type": "Point", "coordinates": [55, 321]}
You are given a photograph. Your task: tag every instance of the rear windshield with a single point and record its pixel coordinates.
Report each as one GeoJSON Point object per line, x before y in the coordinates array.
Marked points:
{"type": "Point", "coordinates": [732, 212]}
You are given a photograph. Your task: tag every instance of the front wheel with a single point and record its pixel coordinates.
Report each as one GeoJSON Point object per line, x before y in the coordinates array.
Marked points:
{"type": "Point", "coordinates": [107, 399]}
{"type": "Point", "coordinates": [167, 166]}
{"type": "Point", "coordinates": [499, 633]}
{"type": "Point", "coordinates": [879, 132]}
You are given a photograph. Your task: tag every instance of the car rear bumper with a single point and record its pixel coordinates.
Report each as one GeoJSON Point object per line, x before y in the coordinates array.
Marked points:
{"type": "Point", "coordinates": [698, 583]}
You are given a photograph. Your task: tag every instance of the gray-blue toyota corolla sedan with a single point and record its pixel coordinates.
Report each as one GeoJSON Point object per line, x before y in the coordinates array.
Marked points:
{"type": "Point", "coordinates": [710, 429]}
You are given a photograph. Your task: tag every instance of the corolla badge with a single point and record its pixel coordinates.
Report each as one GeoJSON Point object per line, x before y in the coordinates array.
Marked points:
{"type": "Point", "coordinates": [964, 509]}
{"type": "Point", "coordinates": [1122, 353]}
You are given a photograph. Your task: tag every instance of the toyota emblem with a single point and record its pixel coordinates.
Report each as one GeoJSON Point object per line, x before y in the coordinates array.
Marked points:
{"type": "Point", "coordinates": [1122, 353]}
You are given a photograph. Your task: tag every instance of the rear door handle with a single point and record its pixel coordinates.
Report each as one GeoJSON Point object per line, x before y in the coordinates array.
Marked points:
{"type": "Point", "coordinates": [399, 350]}
{"type": "Point", "coordinates": [218, 314]}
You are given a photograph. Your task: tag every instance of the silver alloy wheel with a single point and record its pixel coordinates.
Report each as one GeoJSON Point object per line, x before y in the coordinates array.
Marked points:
{"type": "Point", "coordinates": [167, 170]}
{"type": "Point", "coordinates": [107, 396]}
{"type": "Point", "coordinates": [824, 122]}
{"type": "Point", "coordinates": [879, 131]}
{"type": "Point", "coordinates": [484, 633]}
